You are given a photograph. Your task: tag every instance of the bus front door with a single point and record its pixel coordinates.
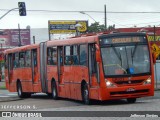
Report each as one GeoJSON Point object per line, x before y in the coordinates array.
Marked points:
{"type": "Point", "coordinates": [93, 72]}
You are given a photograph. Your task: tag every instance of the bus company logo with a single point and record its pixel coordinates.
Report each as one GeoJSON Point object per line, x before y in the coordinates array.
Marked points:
{"type": "Point", "coordinates": [6, 114]}
{"type": "Point", "coordinates": [129, 80]}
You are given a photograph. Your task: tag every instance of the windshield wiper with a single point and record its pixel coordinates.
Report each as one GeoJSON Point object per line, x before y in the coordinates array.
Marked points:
{"type": "Point", "coordinates": [134, 50]}
{"type": "Point", "coordinates": [119, 56]}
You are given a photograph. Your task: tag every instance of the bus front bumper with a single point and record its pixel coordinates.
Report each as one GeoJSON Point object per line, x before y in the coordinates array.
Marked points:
{"type": "Point", "coordinates": [127, 92]}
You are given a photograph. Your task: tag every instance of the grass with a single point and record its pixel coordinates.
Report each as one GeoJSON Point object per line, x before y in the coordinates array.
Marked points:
{"type": "Point", "coordinates": [3, 87]}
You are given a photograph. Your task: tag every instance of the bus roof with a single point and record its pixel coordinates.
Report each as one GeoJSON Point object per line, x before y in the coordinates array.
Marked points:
{"type": "Point", "coordinates": [72, 41]}
{"type": "Point", "coordinates": [22, 48]}
{"type": "Point", "coordinates": [91, 38]}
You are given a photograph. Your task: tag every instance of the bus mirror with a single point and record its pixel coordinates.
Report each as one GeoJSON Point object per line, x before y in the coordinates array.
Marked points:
{"type": "Point", "coordinates": [98, 58]}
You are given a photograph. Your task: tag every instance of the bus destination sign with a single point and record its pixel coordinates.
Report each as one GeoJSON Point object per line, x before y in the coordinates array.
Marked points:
{"type": "Point", "coordinates": [126, 39]}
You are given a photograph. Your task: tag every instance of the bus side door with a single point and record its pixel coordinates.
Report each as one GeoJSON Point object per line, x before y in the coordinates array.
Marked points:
{"type": "Point", "coordinates": [60, 68]}
{"type": "Point", "coordinates": [34, 66]}
{"type": "Point", "coordinates": [10, 68]}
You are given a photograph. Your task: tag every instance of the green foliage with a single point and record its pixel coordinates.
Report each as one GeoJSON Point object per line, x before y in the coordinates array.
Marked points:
{"type": "Point", "coordinates": [3, 87]}
{"type": "Point", "coordinates": [96, 27]}
{"type": "Point", "coordinates": [111, 27]}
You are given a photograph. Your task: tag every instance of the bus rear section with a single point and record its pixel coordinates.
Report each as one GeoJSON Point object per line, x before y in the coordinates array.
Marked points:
{"type": "Point", "coordinates": [22, 70]}
{"type": "Point", "coordinates": [126, 66]}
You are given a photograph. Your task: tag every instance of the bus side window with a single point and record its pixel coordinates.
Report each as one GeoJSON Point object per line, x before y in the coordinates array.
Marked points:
{"type": "Point", "coordinates": [21, 59]}
{"type": "Point", "coordinates": [16, 60]}
{"type": "Point", "coordinates": [10, 62]}
{"type": "Point", "coordinates": [6, 61]}
{"type": "Point", "coordinates": [83, 55]}
{"type": "Point", "coordinates": [67, 55]}
{"type": "Point", "coordinates": [28, 59]}
{"type": "Point", "coordinates": [93, 58]}
{"type": "Point", "coordinates": [75, 55]}
{"type": "Point", "coordinates": [49, 56]}
{"type": "Point", "coordinates": [35, 57]}
{"type": "Point", "coordinates": [52, 56]}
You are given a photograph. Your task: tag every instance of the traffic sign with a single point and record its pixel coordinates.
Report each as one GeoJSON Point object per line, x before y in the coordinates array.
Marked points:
{"type": "Point", "coordinates": [156, 50]}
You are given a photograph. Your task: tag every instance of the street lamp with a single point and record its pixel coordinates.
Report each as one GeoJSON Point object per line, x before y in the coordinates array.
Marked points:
{"type": "Point", "coordinates": [88, 15]}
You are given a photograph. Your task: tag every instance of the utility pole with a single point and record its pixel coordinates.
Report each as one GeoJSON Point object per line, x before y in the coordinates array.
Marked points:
{"type": "Point", "coordinates": [19, 35]}
{"type": "Point", "coordinates": [34, 40]}
{"type": "Point", "coordinates": [154, 32]}
{"type": "Point", "coordinates": [105, 17]}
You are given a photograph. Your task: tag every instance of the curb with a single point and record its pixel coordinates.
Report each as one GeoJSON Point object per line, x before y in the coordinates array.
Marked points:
{"type": "Point", "coordinates": [8, 99]}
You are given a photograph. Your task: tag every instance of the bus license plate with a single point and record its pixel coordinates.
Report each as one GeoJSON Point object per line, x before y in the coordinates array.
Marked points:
{"type": "Point", "coordinates": [130, 90]}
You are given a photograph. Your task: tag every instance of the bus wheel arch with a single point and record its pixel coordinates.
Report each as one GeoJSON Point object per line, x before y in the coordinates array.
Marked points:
{"type": "Point", "coordinates": [54, 92]}
{"type": "Point", "coordinates": [19, 89]}
{"type": "Point", "coordinates": [85, 92]}
{"type": "Point", "coordinates": [20, 92]}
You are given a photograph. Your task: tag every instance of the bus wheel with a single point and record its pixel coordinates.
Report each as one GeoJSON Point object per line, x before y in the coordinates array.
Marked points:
{"type": "Point", "coordinates": [131, 100]}
{"type": "Point", "coordinates": [54, 91]}
{"type": "Point", "coordinates": [19, 90]}
{"type": "Point", "coordinates": [85, 94]}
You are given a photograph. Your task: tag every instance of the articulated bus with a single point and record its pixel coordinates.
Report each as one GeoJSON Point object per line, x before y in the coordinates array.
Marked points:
{"type": "Point", "coordinates": [100, 67]}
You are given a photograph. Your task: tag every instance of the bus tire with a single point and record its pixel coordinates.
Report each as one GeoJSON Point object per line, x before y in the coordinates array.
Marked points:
{"type": "Point", "coordinates": [54, 91]}
{"type": "Point", "coordinates": [19, 90]}
{"type": "Point", "coordinates": [27, 95]}
{"type": "Point", "coordinates": [85, 94]}
{"type": "Point", "coordinates": [131, 100]}
{"type": "Point", "coordinates": [49, 95]}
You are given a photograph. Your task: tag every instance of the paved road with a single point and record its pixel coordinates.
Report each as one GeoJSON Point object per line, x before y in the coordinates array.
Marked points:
{"type": "Point", "coordinates": [41, 102]}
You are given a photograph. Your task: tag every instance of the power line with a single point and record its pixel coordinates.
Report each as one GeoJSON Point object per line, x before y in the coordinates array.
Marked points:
{"type": "Point", "coordinates": [116, 12]}
{"type": "Point", "coordinates": [118, 23]}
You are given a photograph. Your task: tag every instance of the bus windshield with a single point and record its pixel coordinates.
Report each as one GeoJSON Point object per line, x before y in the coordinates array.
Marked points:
{"type": "Point", "coordinates": [125, 59]}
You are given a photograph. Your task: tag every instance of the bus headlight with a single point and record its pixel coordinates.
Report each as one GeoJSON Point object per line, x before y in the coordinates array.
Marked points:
{"type": "Point", "coordinates": [148, 81]}
{"type": "Point", "coordinates": [109, 84]}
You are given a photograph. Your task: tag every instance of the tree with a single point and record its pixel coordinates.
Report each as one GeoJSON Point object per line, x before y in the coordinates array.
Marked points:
{"type": "Point", "coordinates": [111, 27]}
{"type": "Point", "coordinates": [96, 27]}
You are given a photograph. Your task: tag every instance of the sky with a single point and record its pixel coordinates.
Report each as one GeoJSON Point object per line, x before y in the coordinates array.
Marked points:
{"type": "Point", "coordinates": [40, 19]}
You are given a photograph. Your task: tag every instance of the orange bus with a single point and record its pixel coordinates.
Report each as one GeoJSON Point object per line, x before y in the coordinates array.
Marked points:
{"type": "Point", "coordinates": [100, 67]}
